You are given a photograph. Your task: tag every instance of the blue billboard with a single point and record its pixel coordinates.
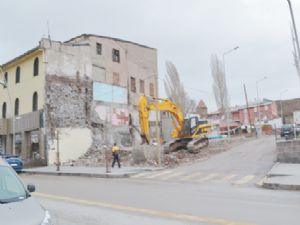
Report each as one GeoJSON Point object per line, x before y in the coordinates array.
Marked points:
{"type": "Point", "coordinates": [109, 93]}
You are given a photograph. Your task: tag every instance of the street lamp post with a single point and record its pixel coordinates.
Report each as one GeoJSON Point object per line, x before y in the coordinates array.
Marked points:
{"type": "Point", "coordinates": [257, 96]}
{"type": "Point", "coordinates": [227, 110]}
{"type": "Point", "coordinates": [281, 113]}
{"type": "Point", "coordinates": [294, 26]}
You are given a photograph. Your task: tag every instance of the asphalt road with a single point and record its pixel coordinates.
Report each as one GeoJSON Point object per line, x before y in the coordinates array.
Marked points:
{"type": "Point", "coordinates": [220, 190]}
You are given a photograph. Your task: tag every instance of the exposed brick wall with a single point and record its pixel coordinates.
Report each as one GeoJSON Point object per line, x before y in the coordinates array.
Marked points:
{"type": "Point", "coordinates": [68, 101]}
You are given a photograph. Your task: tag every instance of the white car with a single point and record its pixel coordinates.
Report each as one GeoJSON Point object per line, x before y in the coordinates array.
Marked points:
{"type": "Point", "coordinates": [17, 206]}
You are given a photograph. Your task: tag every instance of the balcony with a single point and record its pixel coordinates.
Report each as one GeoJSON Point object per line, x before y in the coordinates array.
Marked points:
{"type": "Point", "coordinates": [28, 121]}
{"type": "Point", "coordinates": [25, 122]}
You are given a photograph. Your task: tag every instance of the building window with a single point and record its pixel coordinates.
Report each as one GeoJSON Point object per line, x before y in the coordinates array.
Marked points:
{"type": "Point", "coordinates": [116, 79]}
{"type": "Point", "coordinates": [142, 86]}
{"type": "Point", "coordinates": [5, 79]}
{"type": "Point", "coordinates": [36, 67]}
{"type": "Point", "coordinates": [18, 71]}
{"type": "Point", "coordinates": [99, 48]}
{"type": "Point", "coordinates": [132, 84]}
{"type": "Point", "coordinates": [152, 89]}
{"type": "Point", "coordinates": [17, 105]}
{"type": "Point", "coordinates": [35, 102]}
{"type": "Point", "coordinates": [4, 110]}
{"type": "Point", "coordinates": [116, 55]}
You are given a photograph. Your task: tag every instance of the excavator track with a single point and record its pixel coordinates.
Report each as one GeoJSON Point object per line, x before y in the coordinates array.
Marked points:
{"type": "Point", "coordinates": [197, 144]}
{"type": "Point", "coordinates": [176, 144]}
{"type": "Point", "coordinates": [191, 145]}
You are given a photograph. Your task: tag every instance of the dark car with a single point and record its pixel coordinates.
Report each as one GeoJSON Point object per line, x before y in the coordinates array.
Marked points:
{"type": "Point", "coordinates": [17, 206]}
{"type": "Point", "coordinates": [14, 161]}
{"type": "Point", "coordinates": [287, 130]}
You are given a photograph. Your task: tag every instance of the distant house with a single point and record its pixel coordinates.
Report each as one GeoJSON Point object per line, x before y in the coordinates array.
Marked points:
{"type": "Point", "coordinates": [264, 110]}
{"type": "Point", "coordinates": [202, 109]}
{"type": "Point", "coordinates": [287, 107]}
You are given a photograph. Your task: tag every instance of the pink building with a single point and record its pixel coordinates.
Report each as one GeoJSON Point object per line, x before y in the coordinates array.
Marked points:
{"type": "Point", "coordinates": [262, 111]}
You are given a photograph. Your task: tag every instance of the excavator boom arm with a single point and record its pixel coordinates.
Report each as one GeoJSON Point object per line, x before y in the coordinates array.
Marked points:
{"type": "Point", "coordinates": [161, 105]}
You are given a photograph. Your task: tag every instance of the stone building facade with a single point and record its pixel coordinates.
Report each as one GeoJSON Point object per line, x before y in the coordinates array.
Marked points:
{"type": "Point", "coordinates": [88, 95]}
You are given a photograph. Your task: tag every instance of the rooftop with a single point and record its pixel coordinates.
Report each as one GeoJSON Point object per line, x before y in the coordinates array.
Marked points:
{"type": "Point", "coordinates": [70, 40]}
{"type": "Point", "coordinates": [111, 38]}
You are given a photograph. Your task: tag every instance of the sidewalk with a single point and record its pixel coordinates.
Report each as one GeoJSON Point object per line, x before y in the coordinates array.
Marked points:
{"type": "Point", "coordinates": [81, 171]}
{"type": "Point", "coordinates": [283, 176]}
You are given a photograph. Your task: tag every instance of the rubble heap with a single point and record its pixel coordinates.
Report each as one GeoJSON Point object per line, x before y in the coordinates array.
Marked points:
{"type": "Point", "coordinates": [147, 155]}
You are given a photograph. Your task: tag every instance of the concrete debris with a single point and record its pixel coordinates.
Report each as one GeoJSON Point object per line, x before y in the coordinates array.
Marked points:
{"type": "Point", "coordinates": [147, 155]}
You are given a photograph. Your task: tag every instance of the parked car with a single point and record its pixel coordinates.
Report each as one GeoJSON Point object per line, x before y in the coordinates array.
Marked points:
{"type": "Point", "coordinates": [14, 161]}
{"type": "Point", "coordinates": [16, 203]}
{"type": "Point", "coordinates": [287, 130]}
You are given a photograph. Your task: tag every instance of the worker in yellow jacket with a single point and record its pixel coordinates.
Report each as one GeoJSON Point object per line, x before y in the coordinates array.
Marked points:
{"type": "Point", "coordinates": [115, 151]}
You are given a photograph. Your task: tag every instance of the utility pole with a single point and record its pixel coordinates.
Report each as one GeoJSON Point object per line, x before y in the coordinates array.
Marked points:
{"type": "Point", "coordinates": [57, 151]}
{"type": "Point", "coordinates": [157, 133]}
{"type": "Point", "coordinates": [257, 96]}
{"type": "Point", "coordinates": [281, 110]}
{"type": "Point", "coordinates": [247, 105]}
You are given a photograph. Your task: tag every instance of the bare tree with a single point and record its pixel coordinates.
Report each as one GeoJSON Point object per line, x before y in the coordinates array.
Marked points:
{"type": "Point", "coordinates": [219, 84]}
{"type": "Point", "coordinates": [175, 89]}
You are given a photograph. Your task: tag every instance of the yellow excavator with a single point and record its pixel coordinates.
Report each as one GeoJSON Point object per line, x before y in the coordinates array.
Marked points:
{"type": "Point", "coordinates": [187, 134]}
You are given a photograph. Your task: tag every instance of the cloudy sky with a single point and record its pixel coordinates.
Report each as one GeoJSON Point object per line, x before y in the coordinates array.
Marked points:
{"type": "Point", "coordinates": [185, 32]}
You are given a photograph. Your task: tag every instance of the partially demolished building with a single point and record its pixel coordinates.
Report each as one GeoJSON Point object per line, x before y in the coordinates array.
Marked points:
{"type": "Point", "coordinates": [83, 92]}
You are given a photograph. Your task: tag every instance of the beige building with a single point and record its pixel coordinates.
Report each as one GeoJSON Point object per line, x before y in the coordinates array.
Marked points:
{"type": "Point", "coordinates": [84, 90]}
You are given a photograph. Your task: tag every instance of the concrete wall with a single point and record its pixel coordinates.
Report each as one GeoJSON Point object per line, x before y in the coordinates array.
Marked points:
{"type": "Point", "coordinates": [73, 143]}
{"type": "Point", "coordinates": [288, 151]}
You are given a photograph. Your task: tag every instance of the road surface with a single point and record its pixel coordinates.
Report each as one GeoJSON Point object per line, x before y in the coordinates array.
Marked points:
{"type": "Point", "coordinates": [220, 190]}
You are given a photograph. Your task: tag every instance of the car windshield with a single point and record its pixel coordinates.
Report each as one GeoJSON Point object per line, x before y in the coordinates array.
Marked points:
{"type": "Point", "coordinates": [287, 126]}
{"type": "Point", "coordinates": [11, 188]}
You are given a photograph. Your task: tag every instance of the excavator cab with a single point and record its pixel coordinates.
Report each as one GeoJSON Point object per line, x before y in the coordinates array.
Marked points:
{"type": "Point", "coordinates": [190, 126]}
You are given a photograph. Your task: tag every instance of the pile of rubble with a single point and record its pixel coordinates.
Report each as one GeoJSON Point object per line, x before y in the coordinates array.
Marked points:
{"type": "Point", "coordinates": [147, 155]}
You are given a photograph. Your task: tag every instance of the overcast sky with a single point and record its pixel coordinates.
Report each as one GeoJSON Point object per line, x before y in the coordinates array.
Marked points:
{"type": "Point", "coordinates": [185, 32]}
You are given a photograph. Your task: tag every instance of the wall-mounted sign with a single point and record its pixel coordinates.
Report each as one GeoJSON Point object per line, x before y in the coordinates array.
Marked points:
{"type": "Point", "coordinates": [109, 93]}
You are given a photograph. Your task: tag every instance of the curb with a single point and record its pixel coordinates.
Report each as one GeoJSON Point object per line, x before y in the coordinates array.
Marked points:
{"type": "Point", "coordinates": [276, 186]}
{"type": "Point", "coordinates": [104, 175]}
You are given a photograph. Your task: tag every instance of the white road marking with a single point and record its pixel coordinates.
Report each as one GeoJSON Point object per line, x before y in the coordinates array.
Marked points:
{"type": "Point", "coordinates": [158, 174]}
{"type": "Point", "coordinates": [229, 177]}
{"type": "Point", "coordinates": [261, 182]}
{"type": "Point", "coordinates": [208, 177]}
{"type": "Point", "coordinates": [140, 175]}
{"type": "Point", "coordinates": [192, 176]}
{"type": "Point", "coordinates": [244, 180]}
{"type": "Point", "coordinates": [172, 176]}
